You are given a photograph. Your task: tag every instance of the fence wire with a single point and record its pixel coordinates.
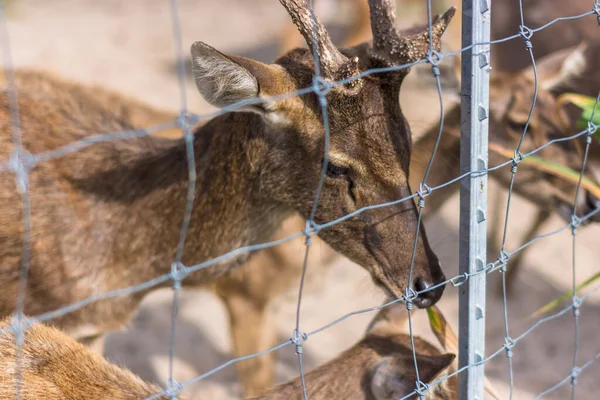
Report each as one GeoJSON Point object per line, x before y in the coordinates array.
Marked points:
{"type": "Point", "coordinates": [21, 162]}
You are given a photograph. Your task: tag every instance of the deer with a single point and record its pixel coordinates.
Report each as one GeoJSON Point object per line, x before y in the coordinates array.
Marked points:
{"type": "Point", "coordinates": [381, 366]}
{"type": "Point", "coordinates": [510, 98]}
{"type": "Point", "coordinates": [248, 291]}
{"type": "Point", "coordinates": [510, 57]}
{"type": "Point", "coordinates": [103, 218]}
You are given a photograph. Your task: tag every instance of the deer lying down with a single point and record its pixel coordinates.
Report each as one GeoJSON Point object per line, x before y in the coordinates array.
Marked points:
{"type": "Point", "coordinates": [380, 366]}
{"type": "Point", "coordinates": [109, 215]}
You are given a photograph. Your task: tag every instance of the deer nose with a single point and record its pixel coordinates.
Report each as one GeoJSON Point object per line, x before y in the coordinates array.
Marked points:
{"type": "Point", "coordinates": [428, 295]}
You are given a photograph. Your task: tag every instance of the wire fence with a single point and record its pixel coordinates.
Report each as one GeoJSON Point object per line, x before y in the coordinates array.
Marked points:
{"type": "Point", "coordinates": [22, 162]}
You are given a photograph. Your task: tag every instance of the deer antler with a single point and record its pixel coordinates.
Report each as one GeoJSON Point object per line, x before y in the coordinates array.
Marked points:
{"type": "Point", "coordinates": [383, 20]}
{"type": "Point", "coordinates": [317, 38]}
{"type": "Point", "coordinates": [406, 48]}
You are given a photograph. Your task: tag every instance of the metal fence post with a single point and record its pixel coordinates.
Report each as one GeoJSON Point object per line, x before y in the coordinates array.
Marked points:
{"type": "Point", "coordinates": [473, 195]}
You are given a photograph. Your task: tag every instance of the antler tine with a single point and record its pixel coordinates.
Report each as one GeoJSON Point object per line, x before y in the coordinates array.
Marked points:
{"type": "Point", "coordinates": [412, 44]}
{"type": "Point", "coordinates": [330, 58]}
{"type": "Point", "coordinates": [383, 21]}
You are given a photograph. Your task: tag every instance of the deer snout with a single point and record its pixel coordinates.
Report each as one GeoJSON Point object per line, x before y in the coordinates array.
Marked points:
{"type": "Point", "coordinates": [428, 291]}
{"type": "Point", "coordinates": [428, 278]}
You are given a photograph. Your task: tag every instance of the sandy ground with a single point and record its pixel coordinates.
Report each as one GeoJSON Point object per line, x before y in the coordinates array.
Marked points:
{"type": "Point", "coordinates": [128, 46]}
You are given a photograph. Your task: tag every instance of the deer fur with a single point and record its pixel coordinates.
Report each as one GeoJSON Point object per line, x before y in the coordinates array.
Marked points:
{"type": "Point", "coordinates": [570, 69]}
{"type": "Point", "coordinates": [248, 291]}
{"type": "Point", "coordinates": [510, 101]}
{"type": "Point", "coordinates": [54, 366]}
{"type": "Point", "coordinates": [109, 215]}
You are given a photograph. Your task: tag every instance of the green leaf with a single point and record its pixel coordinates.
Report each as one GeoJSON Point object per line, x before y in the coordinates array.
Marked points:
{"type": "Point", "coordinates": [565, 296]}
{"type": "Point", "coordinates": [586, 104]}
{"type": "Point", "coordinates": [552, 168]}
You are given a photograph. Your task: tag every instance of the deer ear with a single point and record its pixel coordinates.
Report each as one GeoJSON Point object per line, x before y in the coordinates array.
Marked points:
{"type": "Point", "coordinates": [224, 79]}
{"type": "Point", "coordinates": [430, 367]}
{"type": "Point", "coordinates": [221, 80]}
{"type": "Point", "coordinates": [394, 377]}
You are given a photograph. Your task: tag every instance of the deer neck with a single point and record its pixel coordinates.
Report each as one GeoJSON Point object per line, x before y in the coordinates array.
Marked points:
{"type": "Point", "coordinates": [149, 196]}
{"type": "Point", "coordinates": [446, 164]}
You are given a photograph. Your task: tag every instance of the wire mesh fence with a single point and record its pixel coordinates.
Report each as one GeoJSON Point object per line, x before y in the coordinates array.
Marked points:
{"type": "Point", "coordinates": [22, 162]}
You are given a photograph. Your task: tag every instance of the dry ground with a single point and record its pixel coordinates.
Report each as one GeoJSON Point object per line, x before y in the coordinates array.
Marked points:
{"type": "Point", "coordinates": [128, 46]}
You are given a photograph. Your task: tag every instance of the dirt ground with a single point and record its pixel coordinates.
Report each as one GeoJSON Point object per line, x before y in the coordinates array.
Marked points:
{"type": "Point", "coordinates": [128, 46]}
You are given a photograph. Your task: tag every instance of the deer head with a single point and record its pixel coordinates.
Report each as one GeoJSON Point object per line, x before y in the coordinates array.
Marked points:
{"type": "Point", "coordinates": [370, 140]}
{"type": "Point", "coordinates": [570, 70]}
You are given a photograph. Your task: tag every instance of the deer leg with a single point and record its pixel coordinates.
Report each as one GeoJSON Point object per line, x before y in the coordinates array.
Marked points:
{"type": "Point", "coordinates": [252, 331]}
{"type": "Point", "coordinates": [541, 217]}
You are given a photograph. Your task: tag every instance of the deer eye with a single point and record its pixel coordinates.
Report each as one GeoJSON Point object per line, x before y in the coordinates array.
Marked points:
{"type": "Point", "coordinates": [336, 171]}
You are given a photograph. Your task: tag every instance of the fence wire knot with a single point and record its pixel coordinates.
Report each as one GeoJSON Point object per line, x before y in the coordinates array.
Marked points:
{"type": "Point", "coordinates": [509, 343]}
{"type": "Point", "coordinates": [311, 228]}
{"type": "Point", "coordinates": [321, 86]}
{"type": "Point", "coordinates": [434, 58]}
{"type": "Point", "coordinates": [503, 260]}
{"type": "Point", "coordinates": [576, 306]}
{"type": "Point", "coordinates": [597, 10]}
{"type": "Point", "coordinates": [591, 128]}
{"type": "Point", "coordinates": [575, 223]}
{"type": "Point", "coordinates": [21, 162]}
{"type": "Point", "coordinates": [422, 389]}
{"type": "Point", "coordinates": [424, 191]}
{"type": "Point", "coordinates": [298, 338]}
{"type": "Point", "coordinates": [459, 279]}
{"type": "Point", "coordinates": [183, 119]}
{"type": "Point", "coordinates": [526, 33]}
{"type": "Point", "coordinates": [178, 273]}
{"type": "Point", "coordinates": [409, 296]}
{"type": "Point", "coordinates": [174, 388]}
{"type": "Point", "coordinates": [517, 158]}
{"type": "Point", "coordinates": [574, 374]}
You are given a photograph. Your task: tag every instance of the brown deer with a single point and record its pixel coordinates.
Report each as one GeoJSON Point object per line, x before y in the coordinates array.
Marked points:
{"type": "Point", "coordinates": [380, 366]}
{"type": "Point", "coordinates": [108, 216]}
{"type": "Point", "coordinates": [247, 292]}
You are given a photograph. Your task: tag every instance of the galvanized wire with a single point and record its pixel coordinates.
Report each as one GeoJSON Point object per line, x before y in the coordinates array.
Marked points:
{"type": "Point", "coordinates": [20, 162]}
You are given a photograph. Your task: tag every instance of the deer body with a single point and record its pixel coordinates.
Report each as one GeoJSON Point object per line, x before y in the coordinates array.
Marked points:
{"type": "Point", "coordinates": [103, 217]}
{"type": "Point", "coordinates": [109, 215]}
